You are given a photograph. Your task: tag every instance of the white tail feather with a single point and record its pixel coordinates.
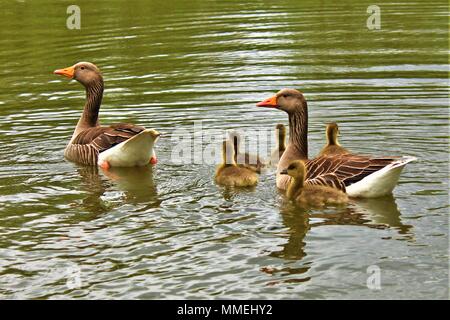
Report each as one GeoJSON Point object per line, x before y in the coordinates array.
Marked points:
{"type": "Point", "coordinates": [381, 182]}
{"type": "Point", "coordinates": [136, 151]}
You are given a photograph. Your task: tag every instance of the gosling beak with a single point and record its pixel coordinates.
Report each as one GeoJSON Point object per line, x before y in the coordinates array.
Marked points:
{"type": "Point", "coordinates": [67, 72]}
{"type": "Point", "coordinates": [268, 103]}
{"type": "Point", "coordinates": [284, 171]}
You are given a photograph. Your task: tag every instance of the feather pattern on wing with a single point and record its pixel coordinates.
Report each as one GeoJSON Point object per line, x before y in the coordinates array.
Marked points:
{"type": "Point", "coordinates": [339, 171]}
{"type": "Point", "coordinates": [88, 144]}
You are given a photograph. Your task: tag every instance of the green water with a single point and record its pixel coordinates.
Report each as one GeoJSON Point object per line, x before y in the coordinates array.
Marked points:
{"type": "Point", "coordinates": [169, 231]}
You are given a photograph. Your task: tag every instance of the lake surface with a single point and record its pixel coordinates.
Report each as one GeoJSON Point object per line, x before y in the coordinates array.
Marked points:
{"type": "Point", "coordinates": [68, 231]}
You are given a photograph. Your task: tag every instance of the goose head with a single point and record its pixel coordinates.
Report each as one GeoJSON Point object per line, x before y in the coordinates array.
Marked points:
{"type": "Point", "coordinates": [288, 100]}
{"type": "Point", "coordinates": [296, 169]}
{"type": "Point", "coordinates": [85, 73]}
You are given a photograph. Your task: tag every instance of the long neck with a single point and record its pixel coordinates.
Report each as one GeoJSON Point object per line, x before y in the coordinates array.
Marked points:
{"type": "Point", "coordinates": [298, 130]}
{"type": "Point", "coordinates": [332, 138]}
{"type": "Point", "coordinates": [282, 139]}
{"type": "Point", "coordinates": [228, 155]}
{"type": "Point", "coordinates": [295, 188]}
{"type": "Point", "coordinates": [94, 94]}
{"type": "Point", "coordinates": [235, 147]}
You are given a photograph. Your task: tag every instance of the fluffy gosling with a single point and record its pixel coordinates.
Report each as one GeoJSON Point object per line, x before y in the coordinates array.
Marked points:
{"type": "Point", "coordinates": [332, 146]}
{"type": "Point", "coordinates": [310, 195]}
{"type": "Point", "coordinates": [230, 174]}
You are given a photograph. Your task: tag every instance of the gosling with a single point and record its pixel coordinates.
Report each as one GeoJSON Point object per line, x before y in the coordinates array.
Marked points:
{"type": "Point", "coordinates": [332, 147]}
{"type": "Point", "coordinates": [310, 195]}
{"type": "Point", "coordinates": [280, 133]}
{"type": "Point", "coordinates": [230, 174]}
{"type": "Point", "coordinates": [245, 160]}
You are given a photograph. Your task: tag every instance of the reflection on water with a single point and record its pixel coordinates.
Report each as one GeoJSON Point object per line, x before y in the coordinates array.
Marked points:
{"type": "Point", "coordinates": [136, 184]}
{"type": "Point", "coordinates": [297, 223]}
{"type": "Point", "coordinates": [378, 213]}
{"type": "Point", "coordinates": [230, 193]}
{"type": "Point", "coordinates": [383, 212]}
{"type": "Point", "coordinates": [94, 187]}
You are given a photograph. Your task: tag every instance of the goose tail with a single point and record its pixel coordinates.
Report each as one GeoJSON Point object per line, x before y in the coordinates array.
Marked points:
{"type": "Point", "coordinates": [136, 151]}
{"type": "Point", "coordinates": [381, 182]}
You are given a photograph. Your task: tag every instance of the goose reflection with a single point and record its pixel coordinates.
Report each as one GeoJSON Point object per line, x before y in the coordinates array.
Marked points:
{"type": "Point", "coordinates": [383, 212]}
{"type": "Point", "coordinates": [293, 251]}
{"type": "Point", "coordinates": [135, 183]}
{"type": "Point", "coordinates": [377, 213]}
{"type": "Point", "coordinates": [94, 187]}
{"type": "Point", "coordinates": [380, 213]}
{"type": "Point", "coordinates": [297, 222]}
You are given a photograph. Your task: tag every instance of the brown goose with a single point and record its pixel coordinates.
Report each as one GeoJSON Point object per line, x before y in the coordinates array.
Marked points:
{"type": "Point", "coordinates": [332, 146]}
{"type": "Point", "coordinates": [362, 176]}
{"type": "Point", "coordinates": [246, 160]}
{"type": "Point", "coordinates": [310, 195]}
{"type": "Point", "coordinates": [120, 145]}
{"type": "Point", "coordinates": [280, 133]}
{"type": "Point", "coordinates": [230, 174]}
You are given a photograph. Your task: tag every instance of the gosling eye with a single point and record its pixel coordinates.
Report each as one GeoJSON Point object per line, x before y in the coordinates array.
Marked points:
{"type": "Point", "coordinates": [291, 167]}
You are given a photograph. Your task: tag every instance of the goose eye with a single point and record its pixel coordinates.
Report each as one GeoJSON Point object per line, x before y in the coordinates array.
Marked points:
{"type": "Point", "coordinates": [82, 68]}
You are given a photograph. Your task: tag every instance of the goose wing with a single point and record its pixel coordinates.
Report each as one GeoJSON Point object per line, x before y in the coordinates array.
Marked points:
{"type": "Point", "coordinates": [327, 179]}
{"type": "Point", "coordinates": [103, 138]}
{"type": "Point", "coordinates": [346, 168]}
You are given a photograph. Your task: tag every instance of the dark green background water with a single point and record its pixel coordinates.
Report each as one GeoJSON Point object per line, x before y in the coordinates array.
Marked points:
{"type": "Point", "coordinates": [170, 232]}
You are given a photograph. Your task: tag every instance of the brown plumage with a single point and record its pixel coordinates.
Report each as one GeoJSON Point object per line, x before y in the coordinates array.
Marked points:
{"type": "Point", "coordinates": [245, 160]}
{"type": "Point", "coordinates": [230, 174]}
{"type": "Point", "coordinates": [89, 138]}
{"type": "Point", "coordinates": [307, 195]}
{"type": "Point", "coordinates": [343, 171]}
{"type": "Point", "coordinates": [280, 133]}
{"type": "Point", "coordinates": [332, 146]}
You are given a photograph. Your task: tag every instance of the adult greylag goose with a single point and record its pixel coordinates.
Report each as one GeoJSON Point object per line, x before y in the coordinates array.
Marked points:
{"type": "Point", "coordinates": [310, 195]}
{"type": "Point", "coordinates": [280, 134]}
{"type": "Point", "coordinates": [230, 174]}
{"type": "Point", "coordinates": [360, 176]}
{"type": "Point", "coordinates": [332, 146]}
{"type": "Point", "coordinates": [246, 160]}
{"type": "Point", "coordinates": [119, 145]}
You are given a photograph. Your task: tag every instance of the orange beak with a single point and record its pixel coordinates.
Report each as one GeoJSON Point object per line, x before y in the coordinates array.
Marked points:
{"type": "Point", "coordinates": [269, 103]}
{"type": "Point", "coordinates": [67, 72]}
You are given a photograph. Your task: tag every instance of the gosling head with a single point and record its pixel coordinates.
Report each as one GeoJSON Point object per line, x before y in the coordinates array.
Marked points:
{"type": "Point", "coordinates": [332, 133]}
{"type": "Point", "coordinates": [288, 100]}
{"type": "Point", "coordinates": [280, 127]}
{"type": "Point", "coordinates": [280, 130]}
{"type": "Point", "coordinates": [296, 169]}
{"type": "Point", "coordinates": [85, 73]}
